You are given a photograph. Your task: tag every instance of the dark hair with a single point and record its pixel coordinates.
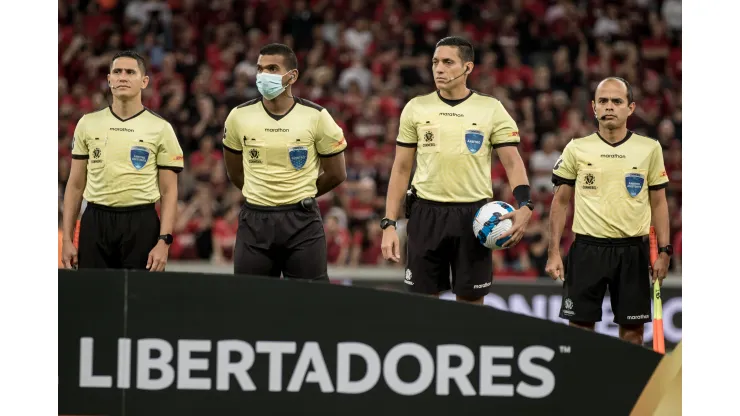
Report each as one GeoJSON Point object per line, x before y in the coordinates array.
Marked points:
{"type": "Point", "coordinates": [132, 55]}
{"type": "Point", "coordinates": [630, 95]}
{"type": "Point", "coordinates": [291, 62]}
{"type": "Point", "coordinates": [464, 48]}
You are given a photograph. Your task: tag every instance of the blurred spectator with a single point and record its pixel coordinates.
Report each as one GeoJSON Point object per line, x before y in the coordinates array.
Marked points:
{"type": "Point", "coordinates": [363, 61]}
{"type": "Point", "coordinates": [542, 163]}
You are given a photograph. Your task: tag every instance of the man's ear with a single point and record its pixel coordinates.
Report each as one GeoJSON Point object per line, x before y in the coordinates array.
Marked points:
{"type": "Point", "coordinates": [632, 107]}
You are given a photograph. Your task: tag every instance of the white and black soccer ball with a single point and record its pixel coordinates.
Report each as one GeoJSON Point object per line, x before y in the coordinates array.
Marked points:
{"type": "Point", "coordinates": [488, 227]}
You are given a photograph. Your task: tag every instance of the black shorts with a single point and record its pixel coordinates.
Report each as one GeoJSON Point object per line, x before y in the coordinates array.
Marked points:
{"type": "Point", "coordinates": [117, 238]}
{"type": "Point", "coordinates": [286, 239]}
{"type": "Point", "coordinates": [622, 265]}
{"type": "Point", "coordinates": [440, 240]}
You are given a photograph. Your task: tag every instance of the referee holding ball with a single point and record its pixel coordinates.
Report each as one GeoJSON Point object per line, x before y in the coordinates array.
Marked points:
{"type": "Point", "coordinates": [451, 133]}
{"type": "Point", "coordinates": [619, 180]}
{"type": "Point", "coordinates": [124, 159]}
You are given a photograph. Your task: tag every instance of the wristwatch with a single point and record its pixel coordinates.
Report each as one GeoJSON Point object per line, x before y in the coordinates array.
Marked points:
{"type": "Point", "coordinates": [527, 204]}
{"type": "Point", "coordinates": [167, 238]}
{"type": "Point", "coordinates": [385, 223]}
{"type": "Point", "coordinates": [667, 249]}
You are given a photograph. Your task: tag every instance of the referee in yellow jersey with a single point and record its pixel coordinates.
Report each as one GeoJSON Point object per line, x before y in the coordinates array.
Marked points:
{"type": "Point", "coordinates": [451, 133]}
{"type": "Point", "coordinates": [274, 147]}
{"type": "Point", "coordinates": [124, 159]}
{"type": "Point", "coordinates": [619, 180]}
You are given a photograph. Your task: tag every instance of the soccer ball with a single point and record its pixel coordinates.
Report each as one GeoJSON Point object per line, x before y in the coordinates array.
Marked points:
{"type": "Point", "coordinates": [487, 227]}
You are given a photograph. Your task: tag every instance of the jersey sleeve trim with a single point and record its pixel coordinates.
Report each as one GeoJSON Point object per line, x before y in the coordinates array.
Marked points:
{"type": "Point", "coordinates": [176, 169]}
{"type": "Point", "coordinates": [331, 154]}
{"type": "Point", "coordinates": [80, 157]}
{"type": "Point", "coordinates": [658, 186]}
{"type": "Point", "coordinates": [559, 180]}
{"type": "Point", "coordinates": [404, 144]}
{"type": "Point", "coordinates": [496, 146]}
{"type": "Point", "coordinates": [237, 152]}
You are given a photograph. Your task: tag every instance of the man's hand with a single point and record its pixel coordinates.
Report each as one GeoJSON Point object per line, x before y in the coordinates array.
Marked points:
{"type": "Point", "coordinates": [660, 267]}
{"type": "Point", "coordinates": [391, 246]}
{"type": "Point", "coordinates": [554, 267]}
{"type": "Point", "coordinates": [69, 255]}
{"type": "Point", "coordinates": [520, 218]}
{"type": "Point", "coordinates": [158, 257]}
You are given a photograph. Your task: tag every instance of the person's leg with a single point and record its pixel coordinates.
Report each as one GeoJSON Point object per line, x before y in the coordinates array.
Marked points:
{"type": "Point", "coordinates": [253, 253]}
{"type": "Point", "coordinates": [140, 232]}
{"type": "Point", "coordinates": [630, 292]}
{"type": "Point", "coordinates": [472, 265]}
{"type": "Point", "coordinates": [585, 284]}
{"type": "Point", "coordinates": [93, 248]}
{"type": "Point", "coordinates": [428, 250]}
{"type": "Point", "coordinates": [304, 244]}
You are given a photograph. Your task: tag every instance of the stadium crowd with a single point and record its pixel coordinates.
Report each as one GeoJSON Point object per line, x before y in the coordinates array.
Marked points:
{"type": "Point", "coordinates": [363, 61]}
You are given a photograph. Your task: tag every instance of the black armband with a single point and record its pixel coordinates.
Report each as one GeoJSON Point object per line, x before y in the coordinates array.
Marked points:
{"type": "Point", "coordinates": [521, 193]}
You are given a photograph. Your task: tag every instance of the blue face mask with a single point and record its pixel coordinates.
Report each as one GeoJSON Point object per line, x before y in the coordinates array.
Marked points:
{"type": "Point", "coordinates": [270, 85]}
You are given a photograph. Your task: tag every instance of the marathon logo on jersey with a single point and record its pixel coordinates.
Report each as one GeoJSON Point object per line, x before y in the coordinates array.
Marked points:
{"type": "Point", "coordinates": [474, 140]}
{"type": "Point", "coordinates": [139, 156]}
{"type": "Point", "coordinates": [298, 156]}
{"type": "Point", "coordinates": [634, 182]}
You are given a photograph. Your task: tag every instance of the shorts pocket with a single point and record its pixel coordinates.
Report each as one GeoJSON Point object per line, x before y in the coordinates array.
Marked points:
{"type": "Point", "coordinates": [428, 138]}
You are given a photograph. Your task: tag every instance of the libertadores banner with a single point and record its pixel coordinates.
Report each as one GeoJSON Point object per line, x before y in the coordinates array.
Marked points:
{"type": "Point", "coordinates": [136, 343]}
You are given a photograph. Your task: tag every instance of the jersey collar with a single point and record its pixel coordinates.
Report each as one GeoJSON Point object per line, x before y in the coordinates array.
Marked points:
{"type": "Point", "coordinates": [453, 103]}
{"type": "Point", "coordinates": [629, 134]}
{"type": "Point", "coordinates": [277, 117]}
{"type": "Point", "coordinates": [110, 107]}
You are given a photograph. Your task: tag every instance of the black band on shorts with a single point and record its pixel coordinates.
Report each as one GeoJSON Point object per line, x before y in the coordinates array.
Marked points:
{"type": "Point", "coordinates": [451, 204]}
{"type": "Point", "coordinates": [120, 209]}
{"type": "Point", "coordinates": [298, 206]}
{"type": "Point", "coordinates": [609, 242]}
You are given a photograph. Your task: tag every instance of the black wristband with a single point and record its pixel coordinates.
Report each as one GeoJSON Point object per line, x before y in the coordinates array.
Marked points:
{"type": "Point", "coordinates": [521, 193]}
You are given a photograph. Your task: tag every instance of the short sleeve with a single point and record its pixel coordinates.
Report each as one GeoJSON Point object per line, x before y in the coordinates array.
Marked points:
{"type": "Point", "coordinates": [231, 137]}
{"type": "Point", "coordinates": [505, 131]}
{"type": "Point", "coordinates": [79, 144]}
{"type": "Point", "coordinates": [565, 170]}
{"type": "Point", "coordinates": [169, 152]}
{"type": "Point", "coordinates": [329, 137]}
{"type": "Point", "coordinates": [406, 127]}
{"type": "Point", "coordinates": [657, 176]}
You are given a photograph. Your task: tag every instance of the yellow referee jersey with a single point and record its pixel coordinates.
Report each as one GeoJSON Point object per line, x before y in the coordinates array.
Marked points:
{"type": "Point", "coordinates": [124, 156]}
{"type": "Point", "coordinates": [612, 183]}
{"type": "Point", "coordinates": [280, 153]}
{"type": "Point", "coordinates": [454, 140]}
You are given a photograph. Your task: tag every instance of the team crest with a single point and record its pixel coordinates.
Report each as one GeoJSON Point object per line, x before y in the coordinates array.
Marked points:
{"type": "Point", "coordinates": [139, 156]}
{"type": "Point", "coordinates": [634, 183]}
{"type": "Point", "coordinates": [298, 156]}
{"type": "Point", "coordinates": [474, 140]}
